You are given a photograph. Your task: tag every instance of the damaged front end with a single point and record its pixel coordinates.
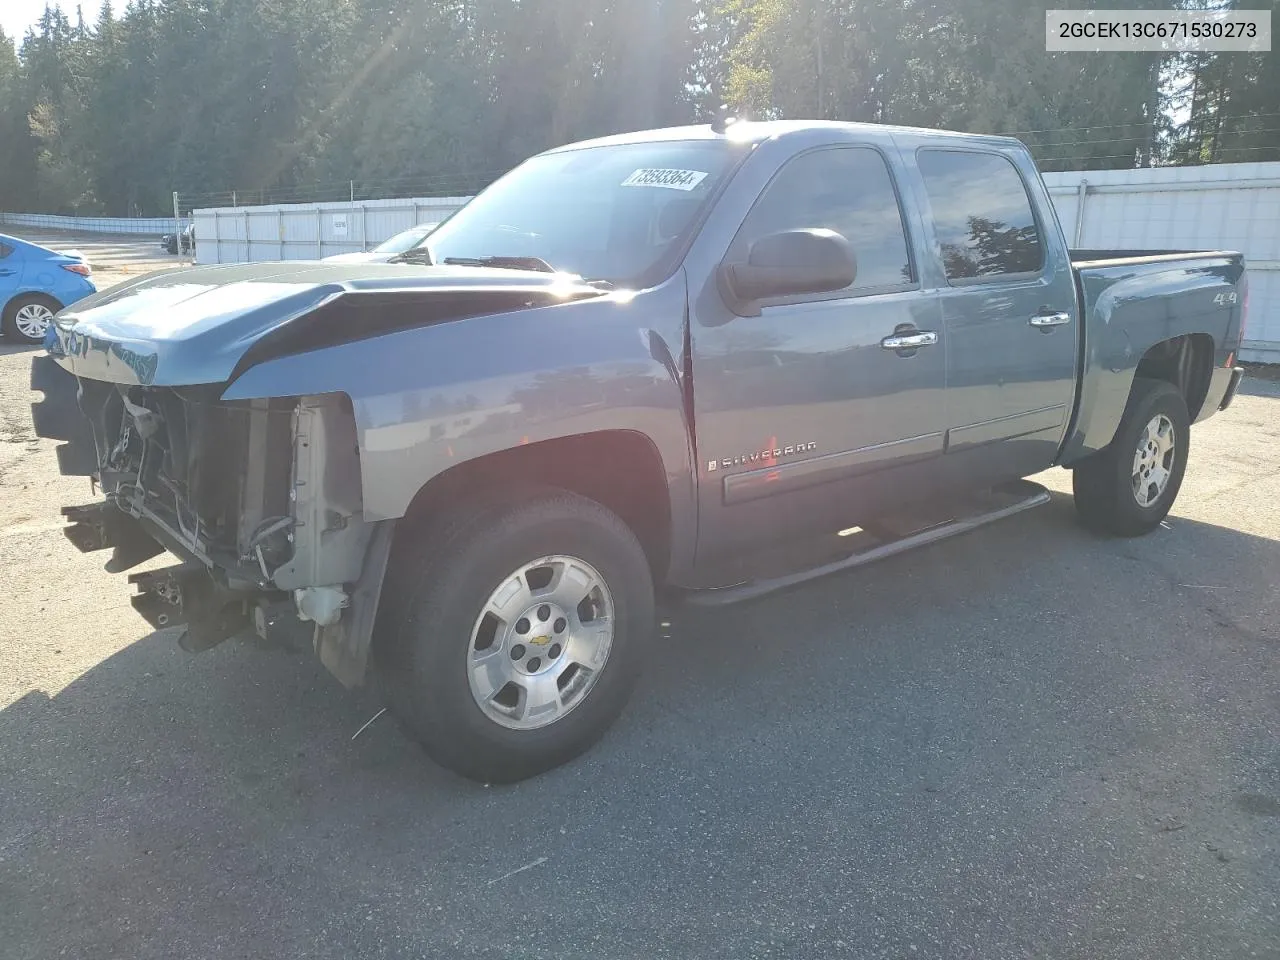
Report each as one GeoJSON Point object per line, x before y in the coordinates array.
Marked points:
{"type": "Point", "coordinates": [263, 500]}
{"type": "Point", "coordinates": [260, 500]}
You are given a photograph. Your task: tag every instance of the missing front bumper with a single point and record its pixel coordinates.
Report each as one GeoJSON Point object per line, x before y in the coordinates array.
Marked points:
{"type": "Point", "coordinates": [186, 596]}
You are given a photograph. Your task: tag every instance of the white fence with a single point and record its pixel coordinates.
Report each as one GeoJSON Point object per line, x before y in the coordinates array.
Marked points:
{"type": "Point", "coordinates": [1224, 206]}
{"type": "Point", "coordinates": [308, 231]}
{"type": "Point", "coordinates": [148, 225]}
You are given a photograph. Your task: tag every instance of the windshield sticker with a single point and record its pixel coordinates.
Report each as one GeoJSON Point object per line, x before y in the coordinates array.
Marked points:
{"type": "Point", "coordinates": [668, 179]}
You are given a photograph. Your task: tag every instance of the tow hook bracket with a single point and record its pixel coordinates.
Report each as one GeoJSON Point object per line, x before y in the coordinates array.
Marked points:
{"type": "Point", "coordinates": [206, 634]}
{"type": "Point", "coordinates": [90, 526]}
{"type": "Point", "coordinates": [97, 526]}
{"type": "Point", "coordinates": [185, 595]}
{"type": "Point", "coordinates": [277, 622]}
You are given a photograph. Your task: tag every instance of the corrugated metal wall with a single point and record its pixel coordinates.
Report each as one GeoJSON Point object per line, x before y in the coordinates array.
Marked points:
{"type": "Point", "coordinates": [1224, 206]}
{"type": "Point", "coordinates": [149, 225]}
{"type": "Point", "coordinates": [308, 231]}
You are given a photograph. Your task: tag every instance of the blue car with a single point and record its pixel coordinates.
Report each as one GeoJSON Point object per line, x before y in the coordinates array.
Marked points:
{"type": "Point", "coordinates": [35, 283]}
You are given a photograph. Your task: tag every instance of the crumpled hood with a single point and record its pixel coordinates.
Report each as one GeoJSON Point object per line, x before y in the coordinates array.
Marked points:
{"type": "Point", "coordinates": [185, 327]}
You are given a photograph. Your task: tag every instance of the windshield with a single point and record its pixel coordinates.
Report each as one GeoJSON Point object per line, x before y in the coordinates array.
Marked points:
{"type": "Point", "coordinates": [617, 213]}
{"type": "Point", "coordinates": [405, 241]}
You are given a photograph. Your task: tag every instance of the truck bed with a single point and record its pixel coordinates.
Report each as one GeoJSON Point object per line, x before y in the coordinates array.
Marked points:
{"type": "Point", "coordinates": [1133, 300]}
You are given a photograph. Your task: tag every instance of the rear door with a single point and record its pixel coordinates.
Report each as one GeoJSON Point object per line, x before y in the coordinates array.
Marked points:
{"type": "Point", "coordinates": [807, 417]}
{"type": "Point", "coordinates": [10, 269]}
{"type": "Point", "coordinates": [1009, 310]}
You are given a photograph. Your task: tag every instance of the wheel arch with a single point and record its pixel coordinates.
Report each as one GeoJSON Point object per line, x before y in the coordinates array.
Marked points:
{"type": "Point", "coordinates": [620, 469]}
{"type": "Point", "coordinates": [1186, 362]}
{"type": "Point", "coordinates": [31, 292]}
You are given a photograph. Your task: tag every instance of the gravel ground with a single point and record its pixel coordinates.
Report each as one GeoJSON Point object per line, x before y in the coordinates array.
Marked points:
{"type": "Point", "coordinates": [1025, 742]}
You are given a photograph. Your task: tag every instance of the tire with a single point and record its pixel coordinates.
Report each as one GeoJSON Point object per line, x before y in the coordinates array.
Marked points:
{"type": "Point", "coordinates": [435, 635]}
{"type": "Point", "coordinates": [1124, 491]}
{"type": "Point", "coordinates": [22, 312]}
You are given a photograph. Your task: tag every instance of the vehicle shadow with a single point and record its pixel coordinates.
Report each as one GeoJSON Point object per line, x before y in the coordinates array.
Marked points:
{"type": "Point", "coordinates": [161, 803]}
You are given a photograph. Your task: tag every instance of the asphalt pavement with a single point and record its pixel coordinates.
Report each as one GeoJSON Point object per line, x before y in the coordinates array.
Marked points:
{"type": "Point", "coordinates": [1029, 741]}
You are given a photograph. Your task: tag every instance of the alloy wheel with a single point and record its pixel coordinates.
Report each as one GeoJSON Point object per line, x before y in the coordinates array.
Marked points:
{"type": "Point", "coordinates": [32, 320]}
{"type": "Point", "coordinates": [1153, 461]}
{"type": "Point", "coordinates": [540, 642]}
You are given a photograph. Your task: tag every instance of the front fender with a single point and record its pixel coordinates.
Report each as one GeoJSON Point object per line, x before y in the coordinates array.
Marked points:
{"type": "Point", "coordinates": [430, 398]}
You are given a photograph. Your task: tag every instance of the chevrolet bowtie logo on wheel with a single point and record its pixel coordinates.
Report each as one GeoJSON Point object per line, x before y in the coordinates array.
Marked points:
{"type": "Point", "coordinates": [762, 457]}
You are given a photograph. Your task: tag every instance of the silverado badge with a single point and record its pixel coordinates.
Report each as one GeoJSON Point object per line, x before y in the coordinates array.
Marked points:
{"type": "Point", "coordinates": [762, 458]}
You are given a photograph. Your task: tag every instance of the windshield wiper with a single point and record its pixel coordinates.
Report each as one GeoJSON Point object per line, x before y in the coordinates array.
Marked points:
{"type": "Point", "coordinates": [419, 255]}
{"type": "Point", "coordinates": [504, 263]}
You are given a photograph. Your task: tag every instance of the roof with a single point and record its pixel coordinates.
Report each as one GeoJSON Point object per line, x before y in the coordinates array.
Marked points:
{"type": "Point", "coordinates": [750, 131]}
{"type": "Point", "coordinates": [18, 243]}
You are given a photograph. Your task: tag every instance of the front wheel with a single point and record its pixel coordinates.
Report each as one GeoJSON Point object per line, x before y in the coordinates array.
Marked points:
{"type": "Point", "coordinates": [1130, 487]}
{"type": "Point", "coordinates": [513, 639]}
{"type": "Point", "coordinates": [27, 318]}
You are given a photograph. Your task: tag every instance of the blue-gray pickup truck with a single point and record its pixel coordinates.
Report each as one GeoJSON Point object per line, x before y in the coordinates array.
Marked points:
{"type": "Point", "coordinates": [705, 363]}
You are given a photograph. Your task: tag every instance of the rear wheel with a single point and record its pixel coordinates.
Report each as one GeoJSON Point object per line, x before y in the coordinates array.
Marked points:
{"type": "Point", "coordinates": [1130, 487]}
{"type": "Point", "coordinates": [512, 640]}
{"type": "Point", "coordinates": [27, 317]}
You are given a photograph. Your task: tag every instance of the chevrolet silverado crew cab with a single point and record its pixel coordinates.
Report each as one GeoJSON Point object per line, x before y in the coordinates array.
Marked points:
{"type": "Point", "coordinates": [684, 359]}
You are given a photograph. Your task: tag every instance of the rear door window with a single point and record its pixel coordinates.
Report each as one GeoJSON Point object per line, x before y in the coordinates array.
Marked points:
{"type": "Point", "coordinates": [981, 214]}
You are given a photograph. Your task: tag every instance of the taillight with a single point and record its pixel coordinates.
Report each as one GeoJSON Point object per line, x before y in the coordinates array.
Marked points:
{"type": "Point", "coordinates": [81, 268]}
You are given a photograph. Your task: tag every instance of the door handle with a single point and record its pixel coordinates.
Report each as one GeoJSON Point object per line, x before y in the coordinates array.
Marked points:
{"type": "Point", "coordinates": [910, 341]}
{"type": "Point", "coordinates": [1046, 321]}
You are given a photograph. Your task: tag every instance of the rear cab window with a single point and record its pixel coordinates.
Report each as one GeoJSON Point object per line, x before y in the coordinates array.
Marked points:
{"type": "Point", "coordinates": [982, 216]}
{"type": "Point", "coordinates": [845, 189]}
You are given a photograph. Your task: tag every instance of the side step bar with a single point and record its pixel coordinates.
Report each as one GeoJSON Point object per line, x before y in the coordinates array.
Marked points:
{"type": "Point", "coordinates": [1024, 495]}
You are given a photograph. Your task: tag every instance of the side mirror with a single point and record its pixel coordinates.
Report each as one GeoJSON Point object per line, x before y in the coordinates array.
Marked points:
{"type": "Point", "coordinates": [790, 263]}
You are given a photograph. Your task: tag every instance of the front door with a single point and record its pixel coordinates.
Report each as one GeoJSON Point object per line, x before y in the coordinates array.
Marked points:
{"type": "Point", "coordinates": [1009, 308]}
{"type": "Point", "coordinates": [812, 415]}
